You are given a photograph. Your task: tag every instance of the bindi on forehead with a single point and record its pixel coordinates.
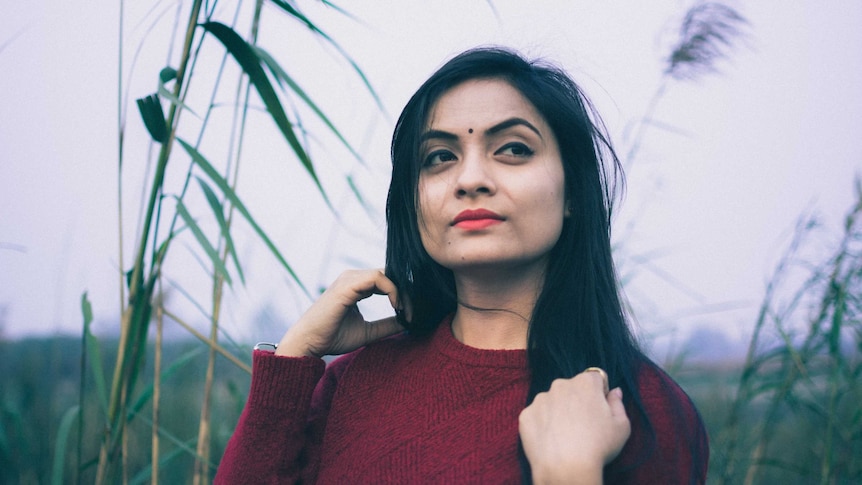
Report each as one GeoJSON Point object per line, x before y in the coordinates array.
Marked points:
{"type": "Point", "coordinates": [470, 130]}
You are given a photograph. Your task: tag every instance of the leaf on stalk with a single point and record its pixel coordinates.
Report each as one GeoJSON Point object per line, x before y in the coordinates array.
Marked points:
{"type": "Point", "coordinates": [176, 286]}
{"type": "Point", "coordinates": [202, 240]}
{"type": "Point", "coordinates": [357, 194]}
{"type": "Point", "coordinates": [222, 184]}
{"type": "Point", "coordinates": [283, 78]}
{"type": "Point", "coordinates": [94, 353]}
{"type": "Point", "coordinates": [147, 393]}
{"type": "Point", "coordinates": [167, 75]}
{"type": "Point", "coordinates": [218, 212]}
{"type": "Point", "coordinates": [154, 118]}
{"type": "Point", "coordinates": [250, 63]}
{"type": "Point", "coordinates": [341, 10]}
{"type": "Point", "coordinates": [144, 476]}
{"type": "Point", "coordinates": [293, 12]}
{"type": "Point", "coordinates": [60, 445]}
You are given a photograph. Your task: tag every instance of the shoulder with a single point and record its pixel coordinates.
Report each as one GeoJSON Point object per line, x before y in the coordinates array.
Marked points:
{"type": "Point", "coordinates": [661, 395]}
{"type": "Point", "coordinates": [362, 369]}
{"type": "Point", "coordinates": [668, 443]}
{"type": "Point", "coordinates": [376, 355]}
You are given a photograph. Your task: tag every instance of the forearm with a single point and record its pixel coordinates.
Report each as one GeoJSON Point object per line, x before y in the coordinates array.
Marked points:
{"type": "Point", "coordinates": [558, 472]}
{"type": "Point", "coordinates": [270, 435]}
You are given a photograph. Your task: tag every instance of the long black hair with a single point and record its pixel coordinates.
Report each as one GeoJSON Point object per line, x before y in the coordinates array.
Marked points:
{"type": "Point", "coordinates": [578, 320]}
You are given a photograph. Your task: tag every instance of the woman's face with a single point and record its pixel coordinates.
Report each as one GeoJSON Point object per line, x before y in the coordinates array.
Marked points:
{"type": "Point", "coordinates": [491, 188]}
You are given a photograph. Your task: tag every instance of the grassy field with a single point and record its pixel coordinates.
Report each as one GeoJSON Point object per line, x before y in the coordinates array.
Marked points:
{"type": "Point", "coordinates": [40, 381]}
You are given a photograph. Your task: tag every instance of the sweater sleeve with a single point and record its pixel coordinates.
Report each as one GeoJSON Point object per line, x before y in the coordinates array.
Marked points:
{"type": "Point", "coordinates": [268, 442]}
{"type": "Point", "coordinates": [672, 446]}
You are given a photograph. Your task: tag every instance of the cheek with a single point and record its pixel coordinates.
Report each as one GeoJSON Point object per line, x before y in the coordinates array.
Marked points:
{"type": "Point", "coordinates": [423, 205]}
{"type": "Point", "coordinates": [551, 207]}
{"type": "Point", "coordinates": [426, 213]}
{"type": "Point", "coordinates": [546, 188]}
{"type": "Point", "coordinates": [432, 194]}
{"type": "Point", "coordinates": [552, 222]}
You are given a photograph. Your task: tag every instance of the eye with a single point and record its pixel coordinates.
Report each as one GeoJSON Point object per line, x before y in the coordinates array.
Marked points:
{"type": "Point", "coordinates": [515, 149]}
{"type": "Point", "coordinates": [437, 157]}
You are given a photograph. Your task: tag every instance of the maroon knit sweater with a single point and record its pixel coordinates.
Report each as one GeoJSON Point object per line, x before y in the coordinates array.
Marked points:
{"type": "Point", "coordinates": [430, 410]}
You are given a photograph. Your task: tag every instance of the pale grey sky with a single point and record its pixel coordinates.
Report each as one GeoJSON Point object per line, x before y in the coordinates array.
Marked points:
{"type": "Point", "coordinates": [774, 134]}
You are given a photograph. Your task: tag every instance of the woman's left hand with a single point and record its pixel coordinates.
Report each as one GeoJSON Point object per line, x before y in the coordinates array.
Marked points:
{"type": "Point", "coordinates": [573, 430]}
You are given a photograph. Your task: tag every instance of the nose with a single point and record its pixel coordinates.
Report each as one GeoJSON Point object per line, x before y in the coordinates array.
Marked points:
{"type": "Point", "coordinates": [475, 176]}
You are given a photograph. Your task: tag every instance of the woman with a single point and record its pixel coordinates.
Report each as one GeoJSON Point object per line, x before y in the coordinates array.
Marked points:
{"type": "Point", "coordinates": [499, 267]}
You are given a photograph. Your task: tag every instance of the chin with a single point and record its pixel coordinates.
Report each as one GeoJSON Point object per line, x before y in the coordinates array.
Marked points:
{"type": "Point", "coordinates": [491, 263]}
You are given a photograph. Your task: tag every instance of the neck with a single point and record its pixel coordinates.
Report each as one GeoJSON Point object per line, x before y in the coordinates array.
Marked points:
{"type": "Point", "coordinates": [494, 310]}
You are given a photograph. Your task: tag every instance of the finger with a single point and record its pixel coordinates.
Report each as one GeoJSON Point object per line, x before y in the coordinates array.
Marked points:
{"type": "Point", "coordinates": [615, 402]}
{"type": "Point", "coordinates": [603, 374]}
{"type": "Point", "coordinates": [385, 286]}
{"type": "Point", "coordinates": [622, 426]}
{"type": "Point", "coordinates": [385, 327]}
{"type": "Point", "coordinates": [406, 307]}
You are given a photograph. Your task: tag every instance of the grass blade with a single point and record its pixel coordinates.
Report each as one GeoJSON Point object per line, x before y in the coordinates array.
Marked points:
{"type": "Point", "coordinates": [250, 63]}
{"type": "Point", "coordinates": [218, 212]}
{"type": "Point", "coordinates": [283, 77]}
{"type": "Point", "coordinates": [237, 203]}
{"type": "Point", "coordinates": [154, 119]}
{"type": "Point", "coordinates": [95, 353]}
{"type": "Point", "coordinates": [60, 446]}
{"type": "Point", "coordinates": [293, 12]}
{"type": "Point", "coordinates": [147, 393]}
{"type": "Point", "coordinates": [145, 474]}
{"type": "Point", "coordinates": [166, 75]}
{"type": "Point", "coordinates": [358, 194]}
{"type": "Point", "coordinates": [202, 240]}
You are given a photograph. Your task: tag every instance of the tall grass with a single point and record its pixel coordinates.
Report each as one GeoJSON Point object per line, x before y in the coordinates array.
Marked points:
{"type": "Point", "coordinates": [169, 217]}
{"type": "Point", "coordinates": [40, 382]}
{"type": "Point", "coordinates": [796, 413]}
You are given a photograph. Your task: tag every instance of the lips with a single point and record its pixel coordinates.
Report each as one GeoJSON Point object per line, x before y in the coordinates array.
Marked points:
{"type": "Point", "coordinates": [476, 219]}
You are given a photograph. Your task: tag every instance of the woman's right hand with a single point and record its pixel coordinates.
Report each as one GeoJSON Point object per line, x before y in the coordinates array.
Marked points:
{"type": "Point", "coordinates": [333, 324]}
{"type": "Point", "coordinates": [578, 407]}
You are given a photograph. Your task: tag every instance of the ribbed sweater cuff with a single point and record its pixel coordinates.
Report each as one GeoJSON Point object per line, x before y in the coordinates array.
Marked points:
{"type": "Point", "coordinates": [279, 382]}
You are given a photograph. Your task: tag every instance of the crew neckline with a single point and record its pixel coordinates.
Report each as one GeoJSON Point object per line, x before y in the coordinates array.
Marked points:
{"type": "Point", "coordinates": [445, 342]}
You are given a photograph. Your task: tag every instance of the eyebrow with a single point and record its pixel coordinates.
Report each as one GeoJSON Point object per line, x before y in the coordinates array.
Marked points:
{"type": "Point", "coordinates": [437, 135]}
{"type": "Point", "coordinates": [503, 125]}
{"type": "Point", "coordinates": [510, 123]}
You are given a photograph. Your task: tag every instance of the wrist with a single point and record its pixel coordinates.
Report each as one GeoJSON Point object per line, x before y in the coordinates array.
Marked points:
{"type": "Point", "coordinates": [587, 473]}
{"type": "Point", "coordinates": [294, 346]}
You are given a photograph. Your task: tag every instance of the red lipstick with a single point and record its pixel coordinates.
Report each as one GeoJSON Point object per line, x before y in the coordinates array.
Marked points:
{"type": "Point", "coordinates": [476, 219]}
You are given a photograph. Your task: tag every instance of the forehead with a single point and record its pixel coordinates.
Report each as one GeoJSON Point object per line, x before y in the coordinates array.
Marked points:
{"type": "Point", "coordinates": [479, 103]}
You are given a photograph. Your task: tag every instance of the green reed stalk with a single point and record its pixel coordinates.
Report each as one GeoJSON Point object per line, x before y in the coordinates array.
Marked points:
{"type": "Point", "coordinates": [157, 389]}
{"type": "Point", "coordinates": [142, 301]}
{"type": "Point", "coordinates": [202, 470]}
{"type": "Point", "coordinates": [135, 317]}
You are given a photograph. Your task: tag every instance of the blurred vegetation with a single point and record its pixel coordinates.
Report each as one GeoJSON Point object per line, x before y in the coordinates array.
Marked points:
{"type": "Point", "coordinates": [802, 371]}
{"type": "Point", "coordinates": [40, 380]}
